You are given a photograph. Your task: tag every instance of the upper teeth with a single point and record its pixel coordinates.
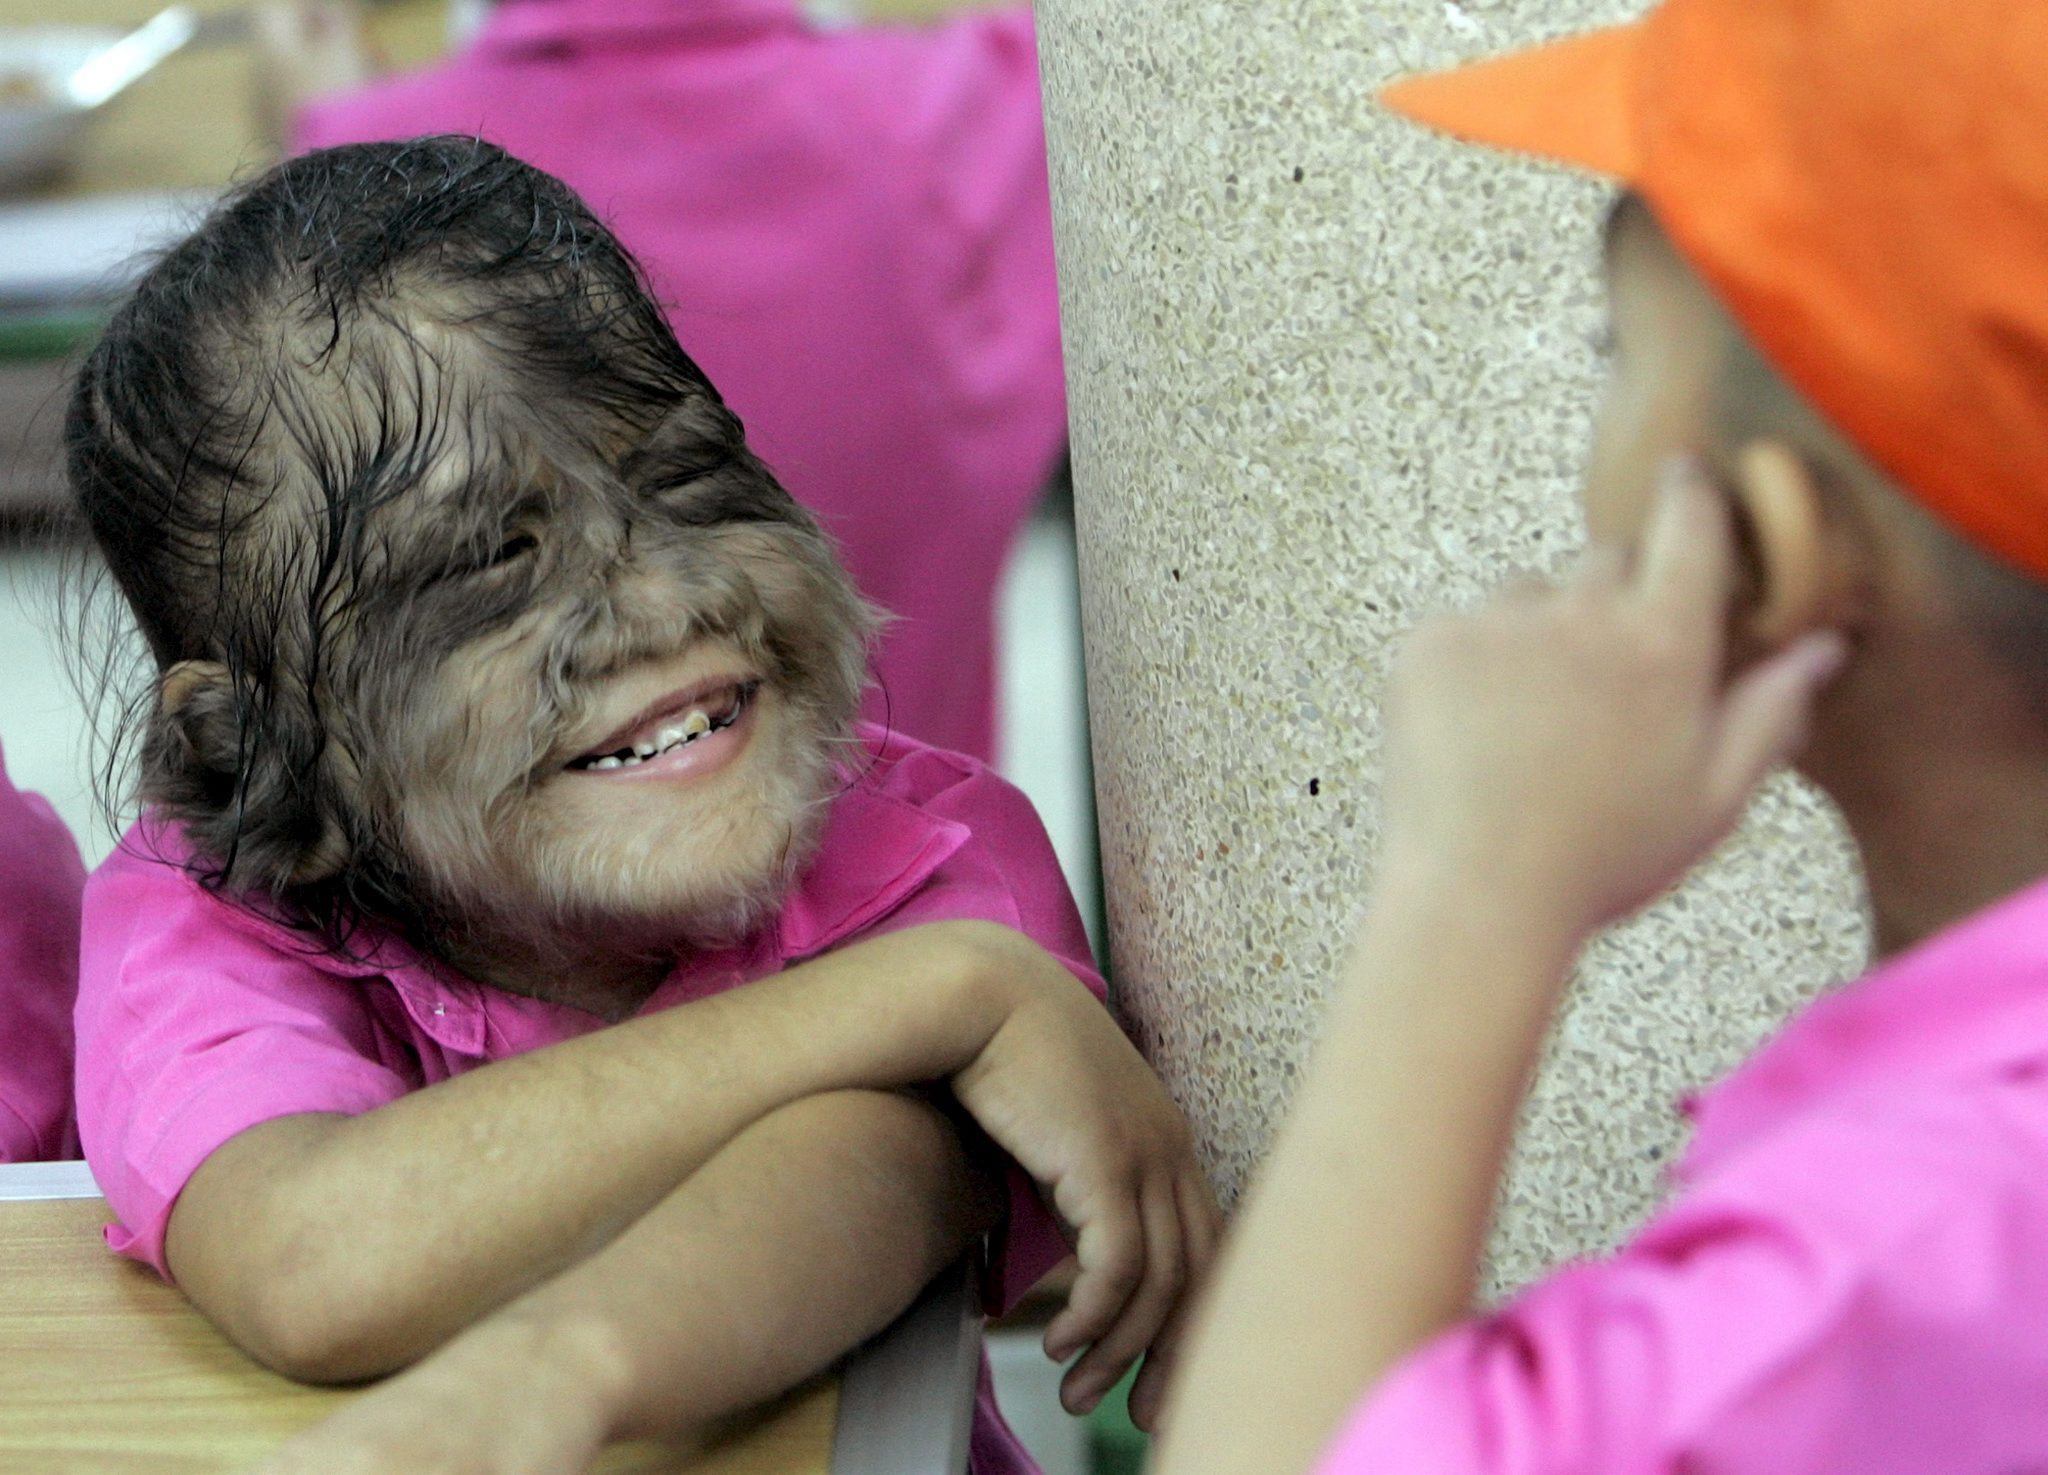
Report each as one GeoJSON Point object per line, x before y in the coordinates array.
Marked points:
{"type": "Point", "coordinates": [673, 735]}
{"type": "Point", "coordinates": [693, 726]}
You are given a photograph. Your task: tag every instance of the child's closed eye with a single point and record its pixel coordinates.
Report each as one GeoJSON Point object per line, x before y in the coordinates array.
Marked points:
{"type": "Point", "coordinates": [515, 547]}
{"type": "Point", "coordinates": [475, 560]}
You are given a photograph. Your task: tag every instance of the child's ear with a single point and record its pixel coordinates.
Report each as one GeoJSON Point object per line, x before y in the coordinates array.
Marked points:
{"type": "Point", "coordinates": [197, 702]}
{"type": "Point", "coordinates": [1791, 549]}
{"type": "Point", "coordinates": [200, 713]}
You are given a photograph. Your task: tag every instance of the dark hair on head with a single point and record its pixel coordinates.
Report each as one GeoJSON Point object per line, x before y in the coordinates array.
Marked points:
{"type": "Point", "coordinates": [200, 446]}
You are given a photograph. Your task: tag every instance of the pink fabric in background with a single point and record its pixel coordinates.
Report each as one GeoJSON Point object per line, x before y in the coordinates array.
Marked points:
{"type": "Point", "coordinates": [198, 1019]}
{"type": "Point", "coordinates": [853, 233]}
{"type": "Point", "coordinates": [40, 881]}
{"type": "Point", "coordinates": [1851, 1278]}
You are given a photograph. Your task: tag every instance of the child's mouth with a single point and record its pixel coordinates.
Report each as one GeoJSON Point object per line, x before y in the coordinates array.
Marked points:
{"type": "Point", "coordinates": [665, 739]}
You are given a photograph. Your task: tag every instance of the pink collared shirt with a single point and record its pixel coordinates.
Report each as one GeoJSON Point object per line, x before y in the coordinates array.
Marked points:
{"type": "Point", "coordinates": [1851, 1276]}
{"type": "Point", "coordinates": [853, 232]}
{"type": "Point", "coordinates": [40, 879]}
{"type": "Point", "coordinates": [198, 1019]}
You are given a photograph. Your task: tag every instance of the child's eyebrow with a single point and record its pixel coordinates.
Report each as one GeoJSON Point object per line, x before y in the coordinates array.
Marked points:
{"type": "Point", "coordinates": [454, 508]}
{"type": "Point", "coordinates": [678, 459]}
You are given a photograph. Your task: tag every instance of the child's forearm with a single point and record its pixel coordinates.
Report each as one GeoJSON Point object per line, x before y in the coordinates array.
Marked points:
{"type": "Point", "coordinates": [338, 1248]}
{"type": "Point", "coordinates": [806, 1234]}
{"type": "Point", "coordinates": [1361, 1236]}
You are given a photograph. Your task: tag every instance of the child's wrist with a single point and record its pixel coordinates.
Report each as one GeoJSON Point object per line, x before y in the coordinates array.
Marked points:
{"type": "Point", "coordinates": [1540, 922]}
{"type": "Point", "coordinates": [1540, 909]}
{"type": "Point", "coordinates": [574, 1359]}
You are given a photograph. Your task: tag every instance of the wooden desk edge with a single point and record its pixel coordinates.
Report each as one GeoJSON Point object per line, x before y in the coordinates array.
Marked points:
{"type": "Point", "coordinates": [906, 1398]}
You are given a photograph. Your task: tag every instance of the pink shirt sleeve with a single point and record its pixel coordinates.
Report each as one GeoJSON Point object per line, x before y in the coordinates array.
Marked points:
{"type": "Point", "coordinates": [1006, 872]}
{"type": "Point", "coordinates": [40, 881]}
{"type": "Point", "coordinates": [192, 1028]}
{"type": "Point", "coordinates": [1862, 1294]}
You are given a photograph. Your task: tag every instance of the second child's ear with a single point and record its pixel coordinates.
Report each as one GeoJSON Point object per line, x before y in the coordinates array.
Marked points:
{"type": "Point", "coordinates": [1795, 555]}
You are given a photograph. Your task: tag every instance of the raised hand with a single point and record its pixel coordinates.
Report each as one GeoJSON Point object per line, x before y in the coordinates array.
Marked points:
{"type": "Point", "coordinates": [1578, 748]}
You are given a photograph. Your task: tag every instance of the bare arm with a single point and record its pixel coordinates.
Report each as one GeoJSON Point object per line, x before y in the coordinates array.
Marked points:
{"type": "Point", "coordinates": [336, 1248]}
{"type": "Point", "coordinates": [808, 1232]}
{"type": "Point", "coordinates": [1552, 764]}
{"type": "Point", "coordinates": [1363, 1234]}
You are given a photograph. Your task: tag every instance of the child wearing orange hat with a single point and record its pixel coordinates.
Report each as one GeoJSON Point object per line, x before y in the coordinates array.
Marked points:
{"type": "Point", "coordinates": [1818, 497]}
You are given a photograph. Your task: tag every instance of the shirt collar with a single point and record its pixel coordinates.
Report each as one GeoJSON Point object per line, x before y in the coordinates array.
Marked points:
{"type": "Point", "coordinates": [1970, 1000]}
{"type": "Point", "coordinates": [445, 1005]}
{"type": "Point", "coordinates": [875, 853]}
{"type": "Point", "coordinates": [541, 25]}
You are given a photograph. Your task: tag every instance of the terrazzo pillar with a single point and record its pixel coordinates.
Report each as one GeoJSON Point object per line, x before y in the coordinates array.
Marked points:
{"type": "Point", "coordinates": [1329, 373]}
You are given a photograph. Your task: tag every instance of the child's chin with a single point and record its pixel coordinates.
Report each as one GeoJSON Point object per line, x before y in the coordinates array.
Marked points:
{"type": "Point", "coordinates": [720, 899]}
{"type": "Point", "coordinates": [699, 863]}
{"type": "Point", "coordinates": [697, 884]}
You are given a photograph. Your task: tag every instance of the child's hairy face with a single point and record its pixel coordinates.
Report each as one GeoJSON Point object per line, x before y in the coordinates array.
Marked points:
{"type": "Point", "coordinates": [589, 673]}
{"type": "Point", "coordinates": [470, 611]}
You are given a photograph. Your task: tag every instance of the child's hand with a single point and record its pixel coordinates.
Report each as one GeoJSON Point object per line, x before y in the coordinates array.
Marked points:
{"type": "Point", "coordinates": [505, 1398]}
{"type": "Point", "coordinates": [1062, 1091]}
{"type": "Point", "coordinates": [1573, 751]}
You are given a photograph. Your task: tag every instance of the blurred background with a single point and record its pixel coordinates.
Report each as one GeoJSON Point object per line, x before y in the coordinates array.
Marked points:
{"type": "Point", "coordinates": [107, 151]}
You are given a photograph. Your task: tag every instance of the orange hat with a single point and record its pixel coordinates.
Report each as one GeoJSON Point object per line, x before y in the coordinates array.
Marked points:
{"type": "Point", "coordinates": [1864, 183]}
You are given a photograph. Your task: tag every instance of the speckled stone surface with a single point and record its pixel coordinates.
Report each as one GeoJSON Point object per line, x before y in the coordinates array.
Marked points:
{"type": "Point", "coordinates": [1329, 373]}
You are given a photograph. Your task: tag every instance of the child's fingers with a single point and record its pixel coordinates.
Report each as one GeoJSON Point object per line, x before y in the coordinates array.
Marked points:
{"type": "Point", "coordinates": [1148, 1391]}
{"type": "Point", "coordinates": [1153, 1301]}
{"type": "Point", "coordinates": [1162, 1359]}
{"type": "Point", "coordinates": [1110, 1255]}
{"type": "Point", "coordinates": [1765, 714]}
{"type": "Point", "coordinates": [1201, 1225]}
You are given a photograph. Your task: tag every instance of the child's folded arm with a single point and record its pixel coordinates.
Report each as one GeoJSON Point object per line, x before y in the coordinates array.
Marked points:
{"type": "Point", "coordinates": [337, 1247]}
{"type": "Point", "coordinates": [809, 1232]}
{"type": "Point", "coordinates": [804, 1235]}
